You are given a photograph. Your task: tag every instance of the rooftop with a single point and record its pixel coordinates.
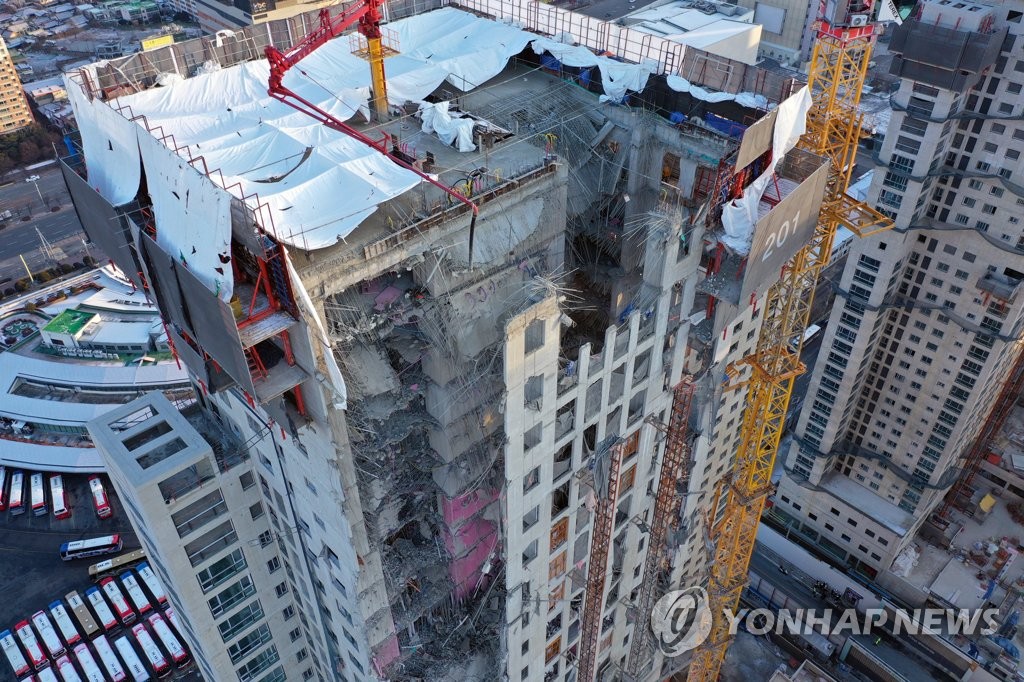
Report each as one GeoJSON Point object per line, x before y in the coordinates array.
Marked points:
{"type": "Point", "coordinates": [69, 322]}
{"type": "Point", "coordinates": [860, 497]}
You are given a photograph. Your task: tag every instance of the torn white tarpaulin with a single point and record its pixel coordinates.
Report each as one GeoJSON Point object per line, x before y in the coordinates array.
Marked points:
{"type": "Point", "coordinates": [616, 77]}
{"type": "Point", "coordinates": [109, 145]}
{"type": "Point", "coordinates": [335, 381]}
{"type": "Point", "coordinates": [739, 216]}
{"type": "Point", "coordinates": [746, 99]}
{"type": "Point", "coordinates": [457, 132]}
{"type": "Point", "coordinates": [193, 216]}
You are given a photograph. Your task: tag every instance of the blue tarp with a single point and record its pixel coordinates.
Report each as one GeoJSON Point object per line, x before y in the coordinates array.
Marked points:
{"type": "Point", "coordinates": [724, 125]}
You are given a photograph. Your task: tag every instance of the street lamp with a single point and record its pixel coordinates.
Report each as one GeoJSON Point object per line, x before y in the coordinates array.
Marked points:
{"type": "Point", "coordinates": [35, 181]}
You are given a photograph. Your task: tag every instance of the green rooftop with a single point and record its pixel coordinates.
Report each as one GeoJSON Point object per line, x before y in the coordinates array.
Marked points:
{"type": "Point", "coordinates": [68, 322]}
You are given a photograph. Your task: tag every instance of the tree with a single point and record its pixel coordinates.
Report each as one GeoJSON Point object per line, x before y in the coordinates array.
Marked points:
{"type": "Point", "coordinates": [28, 151]}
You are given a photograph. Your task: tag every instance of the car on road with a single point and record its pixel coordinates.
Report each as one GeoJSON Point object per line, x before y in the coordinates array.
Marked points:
{"type": "Point", "coordinates": [32, 178]}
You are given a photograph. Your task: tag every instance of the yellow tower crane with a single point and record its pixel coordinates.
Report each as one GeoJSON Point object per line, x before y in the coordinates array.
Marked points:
{"type": "Point", "coordinates": [838, 68]}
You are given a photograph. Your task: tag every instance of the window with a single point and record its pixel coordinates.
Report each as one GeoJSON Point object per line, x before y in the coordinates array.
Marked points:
{"type": "Point", "coordinates": [246, 616]}
{"type": "Point", "coordinates": [253, 668]}
{"type": "Point", "coordinates": [224, 600]}
{"type": "Point", "coordinates": [281, 589]}
{"type": "Point", "coordinates": [274, 565]}
{"type": "Point", "coordinates": [249, 643]}
{"type": "Point", "coordinates": [256, 511]}
{"type": "Point", "coordinates": [288, 612]}
{"type": "Point", "coordinates": [266, 537]}
{"type": "Point", "coordinates": [221, 570]}
{"type": "Point", "coordinates": [247, 480]}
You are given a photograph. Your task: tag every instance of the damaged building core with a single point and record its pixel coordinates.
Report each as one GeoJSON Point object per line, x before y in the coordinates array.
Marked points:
{"type": "Point", "coordinates": [435, 430]}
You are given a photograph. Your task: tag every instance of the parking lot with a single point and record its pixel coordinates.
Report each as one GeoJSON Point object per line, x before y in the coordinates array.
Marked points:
{"type": "Point", "coordinates": [30, 563]}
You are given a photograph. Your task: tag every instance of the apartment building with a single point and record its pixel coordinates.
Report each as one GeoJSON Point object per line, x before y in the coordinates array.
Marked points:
{"type": "Point", "coordinates": [926, 316]}
{"type": "Point", "coordinates": [447, 429]}
{"type": "Point", "coordinates": [14, 111]}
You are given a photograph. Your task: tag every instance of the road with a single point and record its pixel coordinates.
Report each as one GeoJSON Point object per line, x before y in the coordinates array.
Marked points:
{"type": "Point", "coordinates": [19, 237]}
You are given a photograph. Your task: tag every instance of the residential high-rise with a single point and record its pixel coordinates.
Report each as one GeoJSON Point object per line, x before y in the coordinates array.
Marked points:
{"type": "Point", "coordinates": [926, 316]}
{"type": "Point", "coordinates": [14, 111]}
{"type": "Point", "coordinates": [437, 429]}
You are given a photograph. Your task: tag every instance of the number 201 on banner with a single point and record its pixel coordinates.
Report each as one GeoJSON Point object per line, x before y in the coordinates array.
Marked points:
{"type": "Point", "coordinates": [777, 238]}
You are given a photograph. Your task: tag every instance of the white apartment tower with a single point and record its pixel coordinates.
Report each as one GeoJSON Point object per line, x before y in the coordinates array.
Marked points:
{"type": "Point", "coordinates": [928, 315]}
{"type": "Point", "coordinates": [423, 434]}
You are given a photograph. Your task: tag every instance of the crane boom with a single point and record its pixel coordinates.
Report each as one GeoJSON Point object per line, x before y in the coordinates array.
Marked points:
{"type": "Point", "coordinates": [838, 69]}
{"type": "Point", "coordinates": [672, 483]}
{"type": "Point", "coordinates": [367, 14]}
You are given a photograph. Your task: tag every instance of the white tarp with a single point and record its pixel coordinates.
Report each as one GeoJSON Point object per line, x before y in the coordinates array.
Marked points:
{"type": "Point", "coordinates": [616, 77]}
{"type": "Point", "coordinates": [452, 131]}
{"type": "Point", "coordinates": [746, 99]}
{"type": "Point", "coordinates": [193, 216]}
{"type": "Point", "coordinates": [109, 144]}
{"type": "Point", "coordinates": [335, 381]}
{"type": "Point", "coordinates": [320, 184]}
{"type": "Point", "coordinates": [739, 216]}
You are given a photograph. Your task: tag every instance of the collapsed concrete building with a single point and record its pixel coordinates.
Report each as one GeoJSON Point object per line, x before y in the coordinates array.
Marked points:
{"type": "Point", "coordinates": [436, 414]}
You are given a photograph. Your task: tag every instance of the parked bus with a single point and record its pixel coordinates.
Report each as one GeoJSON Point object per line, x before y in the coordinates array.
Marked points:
{"type": "Point", "coordinates": [82, 549]}
{"type": "Point", "coordinates": [156, 659]}
{"type": "Point", "coordinates": [47, 634]}
{"type": "Point", "coordinates": [99, 498]}
{"type": "Point", "coordinates": [38, 495]}
{"type": "Point", "coordinates": [103, 612]}
{"type": "Point", "coordinates": [82, 615]}
{"type": "Point", "coordinates": [16, 498]}
{"type": "Point", "coordinates": [88, 664]}
{"type": "Point", "coordinates": [167, 638]}
{"type": "Point", "coordinates": [173, 617]}
{"type": "Point", "coordinates": [135, 593]}
{"type": "Point", "coordinates": [152, 583]}
{"type": "Point", "coordinates": [109, 659]}
{"type": "Point", "coordinates": [116, 565]}
{"type": "Point", "coordinates": [59, 498]}
{"type": "Point", "coordinates": [46, 675]}
{"type": "Point", "coordinates": [13, 653]}
{"type": "Point", "coordinates": [116, 597]}
{"type": "Point", "coordinates": [65, 626]}
{"type": "Point", "coordinates": [67, 670]}
{"type": "Point", "coordinates": [31, 644]}
{"type": "Point", "coordinates": [131, 660]}
{"type": "Point", "coordinates": [3, 488]}
{"type": "Point", "coordinates": [809, 333]}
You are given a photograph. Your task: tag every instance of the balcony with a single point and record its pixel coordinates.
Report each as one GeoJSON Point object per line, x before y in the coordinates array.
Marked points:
{"type": "Point", "coordinates": [1002, 287]}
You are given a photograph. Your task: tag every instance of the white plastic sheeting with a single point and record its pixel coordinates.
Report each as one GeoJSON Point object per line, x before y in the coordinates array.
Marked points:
{"type": "Point", "coordinates": [193, 217]}
{"type": "Point", "coordinates": [452, 131]}
{"type": "Point", "coordinates": [335, 381]}
{"type": "Point", "coordinates": [746, 99]}
{"type": "Point", "coordinates": [616, 77]}
{"type": "Point", "coordinates": [109, 144]}
{"type": "Point", "coordinates": [739, 216]}
{"type": "Point", "coordinates": [320, 184]}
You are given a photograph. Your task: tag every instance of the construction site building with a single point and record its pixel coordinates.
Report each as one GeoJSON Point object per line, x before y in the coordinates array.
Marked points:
{"type": "Point", "coordinates": [438, 416]}
{"type": "Point", "coordinates": [927, 317]}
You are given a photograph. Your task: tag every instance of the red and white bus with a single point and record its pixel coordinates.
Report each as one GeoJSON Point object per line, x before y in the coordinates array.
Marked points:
{"type": "Point", "coordinates": [3, 488]}
{"type": "Point", "coordinates": [47, 634]}
{"type": "Point", "coordinates": [116, 597]}
{"type": "Point", "coordinates": [64, 623]}
{"type": "Point", "coordinates": [135, 593]}
{"type": "Point", "coordinates": [83, 549]}
{"type": "Point", "coordinates": [131, 660]}
{"type": "Point", "coordinates": [109, 659]}
{"type": "Point", "coordinates": [88, 664]}
{"type": "Point", "coordinates": [167, 638]}
{"type": "Point", "coordinates": [13, 653]}
{"type": "Point", "coordinates": [67, 670]}
{"type": "Point", "coordinates": [95, 597]}
{"type": "Point", "coordinates": [61, 510]}
{"type": "Point", "coordinates": [46, 675]}
{"type": "Point", "coordinates": [16, 498]}
{"type": "Point", "coordinates": [99, 497]}
{"type": "Point", "coordinates": [152, 583]}
{"type": "Point", "coordinates": [31, 644]}
{"type": "Point", "coordinates": [38, 495]}
{"type": "Point", "coordinates": [173, 618]}
{"type": "Point", "coordinates": [153, 654]}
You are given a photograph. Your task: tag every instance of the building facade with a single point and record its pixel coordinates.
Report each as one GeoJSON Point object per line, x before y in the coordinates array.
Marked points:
{"type": "Point", "coordinates": [427, 435]}
{"type": "Point", "coordinates": [14, 111]}
{"type": "Point", "coordinates": [927, 316]}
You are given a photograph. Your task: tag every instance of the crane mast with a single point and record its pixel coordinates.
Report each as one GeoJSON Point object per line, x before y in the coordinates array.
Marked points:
{"type": "Point", "coordinates": [838, 68]}
{"type": "Point", "coordinates": [672, 483]}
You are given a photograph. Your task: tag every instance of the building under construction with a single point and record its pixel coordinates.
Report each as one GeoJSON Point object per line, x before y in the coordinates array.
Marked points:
{"type": "Point", "coordinates": [449, 348]}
